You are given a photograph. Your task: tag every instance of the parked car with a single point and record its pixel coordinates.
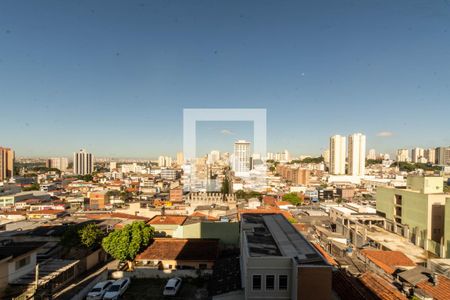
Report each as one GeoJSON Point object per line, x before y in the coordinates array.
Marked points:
{"type": "Point", "coordinates": [99, 290]}
{"type": "Point", "coordinates": [172, 286]}
{"type": "Point", "coordinates": [117, 289]}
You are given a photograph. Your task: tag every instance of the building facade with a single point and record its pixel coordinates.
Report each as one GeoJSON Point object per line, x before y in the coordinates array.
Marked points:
{"type": "Point", "coordinates": [402, 155]}
{"type": "Point", "coordinates": [420, 208]}
{"type": "Point", "coordinates": [277, 262]}
{"type": "Point", "coordinates": [417, 154]}
{"type": "Point", "coordinates": [60, 163]}
{"type": "Point", "coordinates": [83, 163]}
{"type": "Point", "coordinates": [443, 155]}
{"type": "Point", "coordinates": [337, 155]}
{"type": "Point", "coordinates": [430, 155]}
{"type": "Point", "coordinates": [241, 157]}
{"type": "Point", "coordinates": [6, 163]}
{"type": "Point", "coordinates": [357, 154]}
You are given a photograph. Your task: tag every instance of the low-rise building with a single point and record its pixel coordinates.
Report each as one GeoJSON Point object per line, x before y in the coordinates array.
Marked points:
{"type": "Point", "coordinates": [174, 253]}
{"type": "Point", "coordinates": [278, 262]}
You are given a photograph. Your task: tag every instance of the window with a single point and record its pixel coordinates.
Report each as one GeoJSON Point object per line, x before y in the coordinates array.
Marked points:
{"type": "Point", "coordinates": [256, 282]}
{"type": "Point", "coordinates": [282, 282]}
{"type": "Point", "coordinates": [270, 282]}
{"type": "Point", "coordinates": [23, 262]}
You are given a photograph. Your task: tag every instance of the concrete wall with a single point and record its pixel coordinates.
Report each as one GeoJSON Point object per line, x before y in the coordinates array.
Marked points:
{"type": "Point", "coordinates": [268, 266]}
{"type": "Point", "coordinates": [314, 282]}
{"type": "Point", "coordinates": [14, 273]}
{"type": "Point", "coordinates": [447, 228]}
{"type": "Point", "coordinates": [227, 233]}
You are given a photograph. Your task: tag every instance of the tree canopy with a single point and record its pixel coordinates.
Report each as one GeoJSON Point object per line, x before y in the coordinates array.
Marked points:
{"type": "Point", "coordinates": [293, 198]}
{"type": "Point", "coordinates": [86, 235]}
{"type": "Point", "coordinates": [90, 235]}
{"type": "Point", "coordinates": [124, 244]}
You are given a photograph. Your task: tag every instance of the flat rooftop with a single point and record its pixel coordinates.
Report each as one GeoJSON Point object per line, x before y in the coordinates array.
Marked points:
{"type": "Point", "coordinates": [394, 242]}
{"type": "Point", "coordinates": [273, 235]}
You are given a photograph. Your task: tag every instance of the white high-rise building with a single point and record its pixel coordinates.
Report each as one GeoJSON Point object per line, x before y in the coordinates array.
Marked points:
{"type": "Point", "coordinates": [60, 163]}
{"type": "Point", "coordinates": [357, 154]}
{"type": "Point", "coordinates": [112, 166]}
{"type": "Point", "coordinates": [213, 156]}
{"type": "Point", "coordinates": [417, 154]}
{"type": "Point", "coordinates": [180, 158]}
{"type": "Point", "coordinates": [402, 155]}
{"type": "Point", "coordinates": [241, 157]}
{"type": "Point", "coordinates": [270, 155]}
{"type": "Point", "coordinates": [285, 157]}
{"type": "Point", "coordinates": [326, 156]}
{"type": "Point", "coordinates": [164, 161]}
{"type": "Point", "coordinates": [83, 162]}
{"type": "Point", "coordinates": [372, 154]}
{"type": "Point", "coordinates": [337, 155]}
{"type": "Point", "coordinates": [430, 155]}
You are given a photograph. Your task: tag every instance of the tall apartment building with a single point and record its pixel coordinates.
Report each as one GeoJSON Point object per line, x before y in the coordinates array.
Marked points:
{"type": "Point", "coordinates": [357, 154]}
{"type": "Point", "coordinates": [241, 157]}
{"type": "Point", "coordinates": [443, 155]}
{"type": "Point", "coordinates": [326, 156]}
{"type": "Point", "coordinates": [112, 166]}
{"type": "Point", "coordinates": [337, 155]}
{"type": "Point", "coordinates": [180, 158]}
{"type": "Point", "coordinates": [294, 174]}
{"type": "Point", "coordinates": [83, 162]}
{"type": "Point", "coordinates": [430, 155]}
{"type": "Point", "coordinates": [402, 155]}
{"type": "Point", "coordinates": [213, 156]}
{"type": "Point", "coordinates": [164, 161]}
{"type": "Point", "coordinates": [372, 154]}
{"type": "Point", "coordinates": [60, 163]}
{"type": "Point", "coordinates": [6, 163]}
{"type": "Point", "coordinates": [417, 154]}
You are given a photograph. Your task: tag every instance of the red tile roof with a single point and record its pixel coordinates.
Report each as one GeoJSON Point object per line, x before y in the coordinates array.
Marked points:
{"type": "Point", "coordinates": [325, 254]}
{"type": "Point", "coordinates": [389, 261]}
{"type": "Point", "coordinates": [440, 291]}
{"type": "Point", "coordinates": [181, 249]}
{"type": "Point", "coordinates": [381, 287]}
{"type": "Point", "coordinates": [167, 220]}
{"type": "Point", "coordinates": [202, 215]}
{"type": "Point", "coordinates": [269, 200]}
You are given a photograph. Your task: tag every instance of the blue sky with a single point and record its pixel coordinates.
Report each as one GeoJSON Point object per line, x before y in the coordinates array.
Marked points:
{"type": "Point", "coordinates": [114, 76]}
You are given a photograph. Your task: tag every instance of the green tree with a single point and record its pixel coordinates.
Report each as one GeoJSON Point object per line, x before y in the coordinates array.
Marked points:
{"type": "Point", "coordinates": [124, 244]}
{"type": "Point", "coordinates": [370, 162]}
{"type": "Point", "coordinates": [34, 187]}
{"type": "Point", "coordinates": [70, 237]}
{"type": "Point", "coordinates": [86, 178]}
{"type": "Point", "coordinates": [293, 198]}
{"type": "Point", "coordinates": [90, 235]}
{"type": "Point", "coordinates": [225, 189]}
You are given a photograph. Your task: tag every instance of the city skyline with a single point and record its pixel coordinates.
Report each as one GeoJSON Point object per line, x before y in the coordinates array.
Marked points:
{"type": "Point", "coordinates": [80, 80]}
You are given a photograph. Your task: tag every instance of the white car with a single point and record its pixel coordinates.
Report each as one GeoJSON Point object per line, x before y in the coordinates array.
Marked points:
{"type": "Point", "coordinates": [117, 289]}
{"type": "Point", "coordinates": [172, 286]}
{"type": "Point", "coordinates": [99, 290]}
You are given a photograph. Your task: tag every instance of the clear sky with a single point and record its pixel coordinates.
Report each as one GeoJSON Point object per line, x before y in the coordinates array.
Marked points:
{"type": "Point", "coordinates": [114, 76]}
